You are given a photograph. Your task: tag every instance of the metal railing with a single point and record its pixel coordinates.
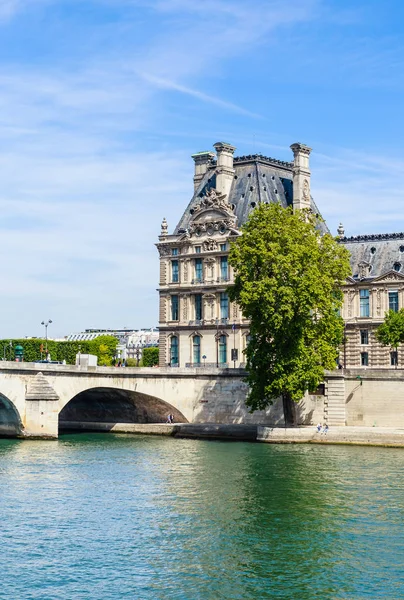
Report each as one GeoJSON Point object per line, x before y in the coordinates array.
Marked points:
{"type": "Point", "coordinates": [206, 365]}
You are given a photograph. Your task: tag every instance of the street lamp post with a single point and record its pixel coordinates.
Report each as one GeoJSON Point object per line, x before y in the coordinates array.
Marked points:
{"type": "Point", "coordinates": [234, 345]}
{"type": "Point", "coordinates": [9, 345]}
{"type": "Point", "coordinates": [46, 324]}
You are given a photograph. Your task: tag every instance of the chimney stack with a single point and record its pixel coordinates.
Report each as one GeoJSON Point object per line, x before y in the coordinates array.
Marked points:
{"type": "Point", "coordinates": [224, 170]}
{"type": "Point", "coordinates": [202, 161]}
{"type": "Point", "coordinates": [301, 176]}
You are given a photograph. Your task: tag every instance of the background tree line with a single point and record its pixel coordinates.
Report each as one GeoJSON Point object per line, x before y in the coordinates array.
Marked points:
{"type": "Point", "coordinates": [104, 347]}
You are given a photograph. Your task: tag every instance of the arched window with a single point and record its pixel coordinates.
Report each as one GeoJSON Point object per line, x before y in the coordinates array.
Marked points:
{"type": "Point", "coordinates": [174, 350]}
{"type": "Point", "coordinates": [196, 346]}
{"type": "Point", "coordinates": [222, 349]}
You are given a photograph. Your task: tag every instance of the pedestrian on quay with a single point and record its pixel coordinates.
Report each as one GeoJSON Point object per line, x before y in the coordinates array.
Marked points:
{"type": "Point", "coordinates": [318, 427]}
{"type": "Point", "coordinates": [325, 430]}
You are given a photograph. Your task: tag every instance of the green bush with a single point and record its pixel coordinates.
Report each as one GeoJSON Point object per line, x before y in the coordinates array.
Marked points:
{"type": "Point", "coordinates": [150, 357]}
{"type": "Point", "coordinates": [132, 362]}
{"type": "Point", "coordinates": [104, 347]}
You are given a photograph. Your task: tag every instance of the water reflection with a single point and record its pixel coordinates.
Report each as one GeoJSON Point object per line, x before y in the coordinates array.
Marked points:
{"type": "Point", "coordinates": [97, 516]}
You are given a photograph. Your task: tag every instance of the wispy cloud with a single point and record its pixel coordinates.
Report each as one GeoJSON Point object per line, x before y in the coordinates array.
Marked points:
{"type": "Point", "coordinates": [171, 85]}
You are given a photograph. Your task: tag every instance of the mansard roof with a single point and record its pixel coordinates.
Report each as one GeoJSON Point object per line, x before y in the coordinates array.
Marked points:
{"type": "Point", "coordinates": [373, 256]}
{"type": "Point", "coordinates": [256, 179]}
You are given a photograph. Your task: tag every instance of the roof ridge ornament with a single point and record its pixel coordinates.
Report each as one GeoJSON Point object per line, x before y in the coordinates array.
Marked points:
{"type": "Point", "coordinates": [212, 199]}
{"type": "Point", "coordinates": [164, 228]}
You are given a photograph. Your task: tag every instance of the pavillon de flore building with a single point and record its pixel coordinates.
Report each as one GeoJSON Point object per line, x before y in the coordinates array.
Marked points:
{"type": "Point", "coordinates": [199, 326]}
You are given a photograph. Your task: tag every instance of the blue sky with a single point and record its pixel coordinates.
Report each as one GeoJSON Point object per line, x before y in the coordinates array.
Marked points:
{"type": "Point", "coordinates": [102, 102]}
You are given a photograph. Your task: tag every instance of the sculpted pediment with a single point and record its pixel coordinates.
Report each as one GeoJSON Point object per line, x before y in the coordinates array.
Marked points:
{"type": "Point", "coordinates": [389, 276]}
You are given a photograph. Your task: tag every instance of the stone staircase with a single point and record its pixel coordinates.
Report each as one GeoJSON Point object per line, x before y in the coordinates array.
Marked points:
{"type": "Point", "coordinates": [334, 408]}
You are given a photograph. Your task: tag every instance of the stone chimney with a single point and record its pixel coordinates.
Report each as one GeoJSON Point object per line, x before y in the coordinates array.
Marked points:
{"type": "Point", "coordinates": [202, 161]}
{"type": "Point", "coordinates": [224, 170]}
{"type": "Point", "coordinates": [301, 176]}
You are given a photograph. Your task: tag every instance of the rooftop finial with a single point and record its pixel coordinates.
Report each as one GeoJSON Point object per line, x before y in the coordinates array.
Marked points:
{"type": "Point", "coordinates": [341, 230]}
{"type": "Point", "coordinates": [164, 227]}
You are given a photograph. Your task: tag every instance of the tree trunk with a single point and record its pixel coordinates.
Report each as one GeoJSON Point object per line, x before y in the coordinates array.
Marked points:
{"type": "Point", "coordinates": [289, 410]}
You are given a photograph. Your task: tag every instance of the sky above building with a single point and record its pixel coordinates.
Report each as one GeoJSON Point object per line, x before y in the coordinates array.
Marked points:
{"type": "Point", "coordinates": [102, 102]}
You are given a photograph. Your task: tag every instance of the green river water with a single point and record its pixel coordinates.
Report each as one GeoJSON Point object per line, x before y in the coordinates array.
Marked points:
{"type": "Point", "coordinates": [113, 516]}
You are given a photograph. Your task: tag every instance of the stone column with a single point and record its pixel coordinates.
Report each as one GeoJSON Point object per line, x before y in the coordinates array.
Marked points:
{"type": "Point", "coordinates": [301, 176]}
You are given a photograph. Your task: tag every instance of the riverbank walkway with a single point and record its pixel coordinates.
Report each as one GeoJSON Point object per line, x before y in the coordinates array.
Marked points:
{"type": "Point", "coordinates": [360, 436]}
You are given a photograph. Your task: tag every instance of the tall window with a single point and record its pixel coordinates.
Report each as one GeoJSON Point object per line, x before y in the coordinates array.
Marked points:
{"type": "Point", "coordinates": [364, 336]}
{"type": "Point", "coordinates": [174, 271]}
{"type": "Point", "coordinates": [224, 268]}
{"type": "Point", "coordinates": [223, 247]}
{"type": "Point", "coordinates": [198, 249]}
{"type": "Point", "coordinates": [196, 346]}
{"type": "Point", "coordinates": [364, 359]}
{"type": "Point", "coordinates": [174, 350]}
{"type": "Point", "coordinates": [174, 251]}
{"type": "Point", "coordinates": [174, 308]}
{"type": "Point", "coordinates": [198, 269]}
{"type": "Point", "coordinates": [364, 303]}
{"type": "Point", "coordinates": [224, 305]}
{"type": "Point", "coordinates": [393, 301]}
{"type": "Point", "coordinates": [222, 349]}
{"type": "Point", "coordinates": [393, 359]}
{"type": "Point", "coordinates": [198, 307]}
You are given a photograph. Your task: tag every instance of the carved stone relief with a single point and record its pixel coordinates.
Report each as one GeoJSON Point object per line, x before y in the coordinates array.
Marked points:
{"type": "Point", "coordinates": [350, 298]}
{"type": "Point", "coordinates": [185, 307]}
{"type": "Point", "coordinates": [209, 306]}
{"type": "Point", "coordinates": [209, 269]}
{"type": "Point", "coordinates": [364, 269]}
{"type": "Point", "coordinates": [164, 249]}
{"type": "Point", "coordinates": [186, 269]}
{"type": "Point", "coordinates": [210, 245]}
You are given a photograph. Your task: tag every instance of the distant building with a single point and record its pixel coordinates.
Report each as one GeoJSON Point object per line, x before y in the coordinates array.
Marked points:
{"type": "Point", "coordinates": [376, 286]}
{"type": "Point", "coordinates": [131, 341]}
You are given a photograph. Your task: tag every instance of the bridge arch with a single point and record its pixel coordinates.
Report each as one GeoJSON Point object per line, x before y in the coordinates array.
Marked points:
{"type": "Point", "coordinates": [10, 420]}
{"type": "Point", "coordinates": [106, 406]}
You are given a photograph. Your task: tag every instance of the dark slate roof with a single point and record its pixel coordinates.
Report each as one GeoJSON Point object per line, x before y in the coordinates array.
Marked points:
{"type": "Point", "coordinates": [257, 179]}
{"type": "Point", "coordinates": [382, 252]}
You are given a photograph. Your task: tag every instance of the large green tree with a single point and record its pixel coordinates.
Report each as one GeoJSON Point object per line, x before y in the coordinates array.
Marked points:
{"type": "Point", "coordinates": [391, 332]}
{"type": "Point", "coordinates": [288, 279]}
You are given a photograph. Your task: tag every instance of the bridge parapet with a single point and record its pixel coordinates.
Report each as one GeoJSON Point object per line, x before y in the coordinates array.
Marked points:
{"type": "Point", "coordinates": [33, 368]}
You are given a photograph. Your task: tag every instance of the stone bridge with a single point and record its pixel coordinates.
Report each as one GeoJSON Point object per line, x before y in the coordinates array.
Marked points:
{"type": "Point", "coordinates": [38, 400]}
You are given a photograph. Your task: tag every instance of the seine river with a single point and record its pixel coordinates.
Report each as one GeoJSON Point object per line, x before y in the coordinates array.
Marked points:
{"type": "Point", "coordinates": [105, 517]}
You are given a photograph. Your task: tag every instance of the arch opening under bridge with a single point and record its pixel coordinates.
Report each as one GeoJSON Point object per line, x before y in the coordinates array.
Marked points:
{"type": "Point", "coordinates": [10, 421]}
{"type": "Point", "coordinates": [100, 408]}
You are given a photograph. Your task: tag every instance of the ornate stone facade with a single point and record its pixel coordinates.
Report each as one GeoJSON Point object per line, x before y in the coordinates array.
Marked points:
{"type": "Point", "coordinates": [376, 286]}
{"type": "Point", "coordinates": [198, 324]}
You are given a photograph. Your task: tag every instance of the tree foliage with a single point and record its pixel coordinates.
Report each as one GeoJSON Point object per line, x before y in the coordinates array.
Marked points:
{"type": "Point", "coordinates": [391, 332]}
{"type": "Point", "coordinates": [288, 284]}
{"type": "Point", "coordinates": [104, 349]}
{"type": "Point", "coordinates": [150, 357]}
